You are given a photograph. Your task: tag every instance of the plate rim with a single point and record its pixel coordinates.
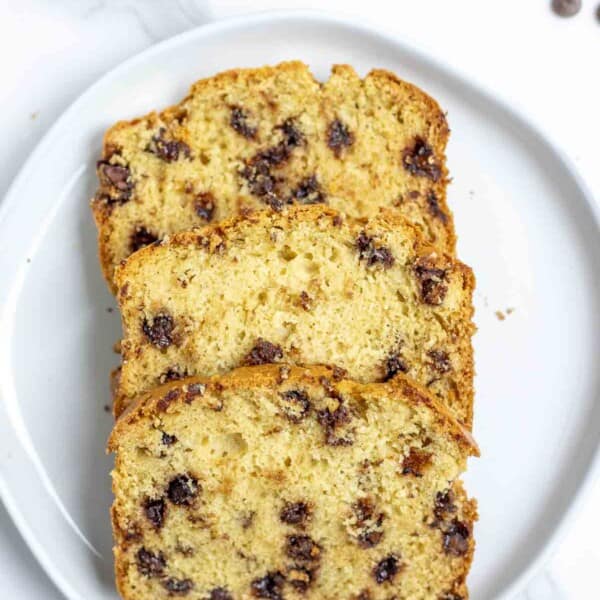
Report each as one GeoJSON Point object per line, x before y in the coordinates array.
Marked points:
{"type": "Point", "coordinates": [365, 26]}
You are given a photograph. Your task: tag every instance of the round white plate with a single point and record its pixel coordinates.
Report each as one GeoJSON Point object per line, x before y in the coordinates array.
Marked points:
{"type": "Point", "coordinates": [526, 225]}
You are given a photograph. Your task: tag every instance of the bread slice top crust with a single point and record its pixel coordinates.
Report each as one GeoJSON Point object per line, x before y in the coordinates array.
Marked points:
{"type": "Point", "coordinates": [286, 482]}
{"type": "Point", "coordinates": [251, 139]}
{"type": "Point", "coordinates": [304, 286]}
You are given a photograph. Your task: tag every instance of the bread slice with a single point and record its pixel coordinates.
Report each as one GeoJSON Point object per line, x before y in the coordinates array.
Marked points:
{"type": "Point", "coordinates": [258, 138]}
{"type": "Point", "coordinates": [304, 286]}
{"type": "Point", "coordinates": [286, 482]}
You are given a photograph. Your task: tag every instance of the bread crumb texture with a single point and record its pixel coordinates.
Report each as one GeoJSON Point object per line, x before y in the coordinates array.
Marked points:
{"type": "Point", "coordinates": [283, 482]}
{"type": "Point", "coordinates": [264, 138]}
{"type": "Point", "coordinates": [303, 286]}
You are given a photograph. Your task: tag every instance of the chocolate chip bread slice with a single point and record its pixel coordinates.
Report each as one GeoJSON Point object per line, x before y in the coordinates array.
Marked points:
{"type": "Point", "coordinates": [304, 286]}
{"type": "Point", "coordinates": [258, 138]}
{"type": "Point", "coordinates": [284, 482]}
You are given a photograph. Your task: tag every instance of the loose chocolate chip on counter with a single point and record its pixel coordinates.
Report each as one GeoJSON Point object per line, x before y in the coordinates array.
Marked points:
{"type": "Point", "coordinates": [270, 586]}
{"type": "Point", "coordinates": [386, 569]}
{"type": "Point", "coordinates": [339, 137]}
{"type": "Point", "coordinates": [167, 439]}
{"type": "Point", "coordinates": [140, 238]}
{"type": "Point", "coordinates": [415, 462]}
{"type": "Point", "coordinates": [219, 593]}
{"type": "Point", "coordinates": [183, 489]}
{"type": "Point", "coordinates": [419, 160]}
{"type": "Point", "coordinates": [262, 353]}
{"type": "Point", "coordinates": [160, 330]}
{"type": "Point", "coordinates": [204, 206]}
{"type": "Point", "coordinates": [155, 509]}
{"type": "Point", "coordinates": [300, 578]}
{"type": "Point", "coordinates": [117, 179]}
{"type": "Point", "coordinates": [308, 191]}
{"type": "Point", "coordinates": [566, 8]}
{"type": "Point", "coordinates": [297, 405]}
{"type": "Point", "coordinates": [432, 281]}
{"type": "Point", "coordinates": [239, 121]}
{"type": "Point", "coordinates": [168, 150]}
{"type": "Point", "coordinates": [372, 254]}
{"type": "Point", "coordinates": [295, 513]}
{"type": "Point", "coordinates": [149, 563]}
{"type": "Point", "coordinates": [456, 538]}
{"type": "Point", "coordinates": [434, 208]}
{"type": "Point", "coordinates": [394, 364]}
{"type": "Point", "coordinates": [440, 361]}
{"type": "Point", "coordinates": [178, 587]}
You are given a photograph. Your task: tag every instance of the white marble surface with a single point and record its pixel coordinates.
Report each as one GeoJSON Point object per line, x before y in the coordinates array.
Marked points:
{"type": "Point", "coordinates": [52, 50]}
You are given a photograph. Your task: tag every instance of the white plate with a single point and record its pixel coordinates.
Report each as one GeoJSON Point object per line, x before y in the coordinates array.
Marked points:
{"type": "Point", "coordinates": [526, 225]}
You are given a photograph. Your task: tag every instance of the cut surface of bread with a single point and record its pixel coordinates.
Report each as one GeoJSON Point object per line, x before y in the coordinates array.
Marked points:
{"type": "Point", "coordinates": [284, 482]}
{"type": "Point", "coordinates": [304, 286]}
{"type": "Point", "coordinates": [262, 138]}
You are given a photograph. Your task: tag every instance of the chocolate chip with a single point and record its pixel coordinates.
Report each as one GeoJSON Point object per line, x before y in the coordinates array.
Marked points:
{"type": "Point", "coordinates": [364, 510]}
{"type": "Point", "coordinates": [149, 563]}
{"type": "Point", "coordinates": [419, 160]}
{"type": "Point", "coordinates": [338, 373]}
{"type": "Point", "coordinates": [262, 353]}
{"type": "Point", "coordinates": [394, 364]}
{"type": "Point", "coordinates": [204, 206]}
{"type": "Point", "coordinates": [440, 361]}
{"type": "Point", "coordinates": [339, 137]}
{"type": "Point", "coordinates": [386, 569]}
{"type": "Point", "coordinates": [300, 578]}
{"type": "Point", "coordinates": [194, 390]}
{"type": "Point", "coordinates": [366, 518]}
{"type": "Point", "coordinates": [295, 513]}
{"type": "Point", "coordinates": [172, 374]}
{"type": "Point", "coordinates": [117, 179]}
{"type": "Point", "coordinates": [163, 404]}
{"type": "Point", "coordinates": [566, 8]}
{"type": "Point", "coordinates": [434, 208]}
{"type": "Point", "coordinates": [270, 586]}
{"type": "Point", "coordinates": [219, 593]}
{"type": "Point", "coordinates": [168, 150]}
{"type": "Point", "coordinates": [415, 462]}
{"type": "Point", "coordinates": [239, 121]}
{"type": "Point", "coordinates": [432, 281]}
{"type": "Point", "coordinates": [444, 505]}
{"type": "Point", "coordinates": [302, 547]}
{"type": "Point", "coordinates": [369, 539]}
{"type": "Point", "coordinates": [308, 191]}
{"type": "Point", "coordinates": [455, 538]}
{"type": "Point", "coordinates": [155, 510]}
{"type": "Point", "coordinates": [298, 405]}
{"type": "Point", "coordinates": [331, 421]}
{"type": "Point", "coordinates": [305, 301]}
{"type": "Point", "coordinates": [140, 238]}
{"type": "Point", "coordinates": [160, 330]}
{"type": "Point", "coordinates": [292, 135]}
{"type": "Point", "coordinates": [167, 439]}
{"type": "Point", "coordinates": [178, 587]}
{"type": "Point", "coordinates": [183, 489]}
{"type": "Point", "coordinates": [372, 254]}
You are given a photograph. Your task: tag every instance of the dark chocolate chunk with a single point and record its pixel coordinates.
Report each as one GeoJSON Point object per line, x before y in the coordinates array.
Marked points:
{"type": "Point", "coordinates": [194, 390]}
{"type": "Point", "coordinates": [566, 8]}
{"type": "Point", "coordinates": [160, 330]}
{"type": "Point", "coordinates": [330, 421]}
{"type": "Point", "coordinates": [419, 160]}
{"type": "Point", "coordinates": [140, 238]}
{"type": "Point", "coordinates": [149, 563]}
{"type": "Point", "coordinates": [298, 405]}
{"type": "Point", "coordinates": [155, 509]}
{"type": "Point", "coordinates": [434, 207]}
{"type": "Point", "coordinates": [372, 254]}
{"type": "Point", "coordinates": [432, 281]}
{"type": "Point", "coordinates": [444, 505]}
{"type": "Point", "coordinates": [394, 364]}
{"type": "Point", "coordinates": [239, 121]}
{"type": "Point", "coordinates": [166, 400]}
{"type": "Point", "coordinates": [117, 179]}
{"type": "Point", "coordinates": [166, 149]}
{"type": "Point", "coordinates": [295, 513]}
{"type": "Point", "coordinates": [339, 137]}
{"type": "Point", "coordinates": [302, 547]}
{"type": "Point", "coordinates": [262, 353]}
{"type": "Point", "coordinates": [219, 593]}
{"type": "Point", "coordinates": [415, 462]}
{"type": "Point", "coordinates": [270, 586]}
{"type": "Point", "coordinates": [204, 206]}
{"type": "Point", "coordinates": [386, 569]}
{"type": "Point", "coordinates": [178, 587]}
{"type": "Point", "coordinates": [456, 538]}
{"type": "Point", "coordinates": [172, 374]}
{"type": "Point", "coordinates": [292, 136]}
{"type": "Point", "coordinates": [308, 191]}
{"type": "Point", "coordinates": [167, 439]}
{"type": "Point", "coordinates": [440, 361]}
{"type": "Point", "coordinates": [183, 489]}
